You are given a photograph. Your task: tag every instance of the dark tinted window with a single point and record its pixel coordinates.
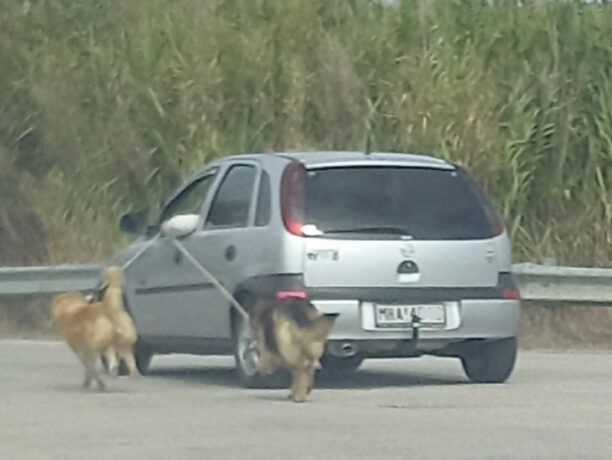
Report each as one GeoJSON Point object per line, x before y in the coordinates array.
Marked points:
{"type": "Point", "coordinates": [230, 207]}
{"type": "Point", "coordinates": [426, 204]}
{"type": "Point", "coordinates": [262, 217]}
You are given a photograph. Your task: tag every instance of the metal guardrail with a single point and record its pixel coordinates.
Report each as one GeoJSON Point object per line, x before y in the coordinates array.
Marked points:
{"type": "Point", "coordinates": [564, 284]}
{"type": "Point", "coordinates": [536, 282]}
{"type": "Point", "coordinates": [48, 279]}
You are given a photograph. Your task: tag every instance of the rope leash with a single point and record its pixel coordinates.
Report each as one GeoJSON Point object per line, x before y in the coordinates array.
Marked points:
{"type": "Point", "coordinates": [207, 275]}
{"type": "Point", "coordinates": [214, 280]}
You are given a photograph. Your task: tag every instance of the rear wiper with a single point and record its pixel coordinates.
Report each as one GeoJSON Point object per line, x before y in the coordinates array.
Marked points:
{"type": "Point", "coordinates": [379, 230]}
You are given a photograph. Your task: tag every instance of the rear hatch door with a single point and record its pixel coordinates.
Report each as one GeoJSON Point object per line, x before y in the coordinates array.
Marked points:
{"type": "Point", "coordinates": [392, 226]}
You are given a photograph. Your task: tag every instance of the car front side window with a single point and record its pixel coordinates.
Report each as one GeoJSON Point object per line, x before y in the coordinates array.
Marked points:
{"type": "Point", "coordinates": [190, 200]}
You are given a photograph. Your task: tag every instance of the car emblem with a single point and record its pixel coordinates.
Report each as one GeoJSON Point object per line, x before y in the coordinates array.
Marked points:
{"type": "Point", "coordinates": [323, 255]}
{"type": "Point", "coordinates": [407, 250]}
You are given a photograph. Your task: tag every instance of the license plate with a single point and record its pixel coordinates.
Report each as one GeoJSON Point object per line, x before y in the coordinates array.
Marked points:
{"type": "Point", "coordinates": [401, 315]}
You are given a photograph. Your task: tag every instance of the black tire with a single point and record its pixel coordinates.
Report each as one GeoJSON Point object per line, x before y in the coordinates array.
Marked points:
{"type": "Point", "coordinates": [245, 356]}
{"type": "Point", "coordinates": [490, 361]}
{"type": "Point", "coordinates": [143, 356]}
{"type": "Point", "coordinates": [335, 364]}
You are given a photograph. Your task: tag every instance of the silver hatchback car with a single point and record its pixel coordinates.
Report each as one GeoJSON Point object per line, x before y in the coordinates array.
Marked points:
{"type": "Point", "coordinates": [405, 251]}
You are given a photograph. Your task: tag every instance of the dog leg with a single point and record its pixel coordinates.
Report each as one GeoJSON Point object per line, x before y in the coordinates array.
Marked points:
{"type": "Point", "coordinates": [294, 383]}
{"type": "Point", "coordinates": [88, 360]}
{"type": "Point", "coordinates": [300, 384]}
{"type": "Point", "coordinates": [100, 383]}
{"type": "Point", "coordinates": [112, 364]}
{"type": "Point", "coordinates": [88, 379]}
{"type": "Point", "coordinates": [88, 375]}
{"type": "Point", "coordinates": [92, 358]}
{"type": "Point", "coordinates": [310, 369]}
{"type": "Point", "coordinates": [266, 363]}
{"type": "Point", "coordinates": [130, 362]}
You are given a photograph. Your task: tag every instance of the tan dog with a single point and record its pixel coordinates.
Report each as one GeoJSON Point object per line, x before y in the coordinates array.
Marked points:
{"type": "Point", "coordinates": [94, 329]}
{"type": "Point", "coordinates": [125, 334]}
{"type": "Point", "coordinates": [290, 334]}
{"type": "Point", "coordinates": [88, 331]}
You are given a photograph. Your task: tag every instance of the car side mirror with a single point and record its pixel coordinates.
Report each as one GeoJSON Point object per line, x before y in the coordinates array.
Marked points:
{"type": "Point", "coordinates": [133, 223]}
{"type": "Point", "coordinates": [180, 226]}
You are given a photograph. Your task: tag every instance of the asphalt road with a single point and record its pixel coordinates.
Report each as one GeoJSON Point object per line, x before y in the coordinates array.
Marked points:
{"type": "Point", "coordinates": [555, 406]}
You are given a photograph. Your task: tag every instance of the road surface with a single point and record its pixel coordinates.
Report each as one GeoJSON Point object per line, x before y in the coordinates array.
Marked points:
{"type": "Point", "coordinates": [555, 406]}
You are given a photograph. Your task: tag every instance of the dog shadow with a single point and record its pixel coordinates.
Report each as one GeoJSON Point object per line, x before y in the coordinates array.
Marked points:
{"type": "Point", "coordinates": [78, 389]}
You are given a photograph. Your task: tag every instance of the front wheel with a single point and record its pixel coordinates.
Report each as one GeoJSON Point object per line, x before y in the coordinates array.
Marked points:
{"type": "Point", "coordinates": [143, 357]}
{"type": "Point", "coordinates": [490, 361]}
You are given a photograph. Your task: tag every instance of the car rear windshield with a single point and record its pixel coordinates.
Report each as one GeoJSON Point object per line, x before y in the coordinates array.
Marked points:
{"type": "Point", "coordinates": [393, 202]}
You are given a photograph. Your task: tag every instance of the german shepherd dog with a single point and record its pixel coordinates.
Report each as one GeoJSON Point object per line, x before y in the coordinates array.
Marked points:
{"type": "Point", "coordinates": [291, 334]}
{"type": "Point", "coordinates": [100, 328]}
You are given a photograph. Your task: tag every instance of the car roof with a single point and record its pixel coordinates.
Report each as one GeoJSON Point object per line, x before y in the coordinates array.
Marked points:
{"type": "Point", "coordinates": [352, 158]}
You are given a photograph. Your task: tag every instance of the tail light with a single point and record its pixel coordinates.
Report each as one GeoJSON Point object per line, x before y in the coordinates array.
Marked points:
{"type": "Point", "coordinates": [496, 224]}
{"type": "Point", "coordinates": [507, 288]}
{"type": "Point", "coordinates": [292, 197]}
{"type": "Point", "coordinates": [495, 221]}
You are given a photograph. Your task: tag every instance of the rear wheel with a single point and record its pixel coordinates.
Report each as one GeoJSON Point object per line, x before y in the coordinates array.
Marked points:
{"type": "Point", "coordinates": [335, 364]}
{"type": "Point", "coordinates": [245, 353]}
{"type": "Point", "coordinates": [246, 357]}
{"type": "Point", "coordinates": [142, 353]}
{"type": "Point", "coordinates": [490, 361]}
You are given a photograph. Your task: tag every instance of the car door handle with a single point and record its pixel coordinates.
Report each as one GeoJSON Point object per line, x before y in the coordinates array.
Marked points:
{"type": "Point", "coordinates": [178, 257]}
{"type": "Point", "coordinates": [230, 253]}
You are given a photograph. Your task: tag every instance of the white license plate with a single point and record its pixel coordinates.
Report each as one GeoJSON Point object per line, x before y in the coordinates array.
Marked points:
{"type": "Point", "coordinates": [401, 315]}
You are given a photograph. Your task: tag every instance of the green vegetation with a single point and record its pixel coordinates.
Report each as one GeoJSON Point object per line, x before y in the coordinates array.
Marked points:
{"type": "Point", "coordinates": [105, 105]}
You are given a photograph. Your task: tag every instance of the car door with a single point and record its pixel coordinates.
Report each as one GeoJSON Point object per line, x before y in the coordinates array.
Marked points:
{"type": "Point", "coordinates": [225, 244]}
{"type": "Point", "coordinates": [220, 243]}
{"type": "Point", "coordinates": [166, 295]}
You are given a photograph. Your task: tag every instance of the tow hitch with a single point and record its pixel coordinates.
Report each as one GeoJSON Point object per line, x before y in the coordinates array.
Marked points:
{"type": "Point", "coordinates": [416, 326]}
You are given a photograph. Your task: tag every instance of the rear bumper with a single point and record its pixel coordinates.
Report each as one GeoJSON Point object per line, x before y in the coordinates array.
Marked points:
{"type": "Point", "coordinates": [466, 319]}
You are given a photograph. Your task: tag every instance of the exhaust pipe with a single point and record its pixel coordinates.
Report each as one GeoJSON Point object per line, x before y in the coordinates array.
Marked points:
{"type": "Point", "coordinates": [348, 349]}
{"type": "Point", "coordinates": [344, 349]}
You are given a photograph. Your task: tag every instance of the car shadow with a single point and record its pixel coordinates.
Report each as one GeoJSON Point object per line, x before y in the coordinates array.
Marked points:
{"type": "Point", "coordinates": [218, 376]}
{"type": "Point", "coordinates": [369, 379]}
{"type": "Point", "coordinates": [360, 379]}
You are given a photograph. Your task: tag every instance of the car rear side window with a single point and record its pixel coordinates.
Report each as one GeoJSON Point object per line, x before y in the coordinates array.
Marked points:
{"type": "Point", "coordinates": [262, 216]}
{"type": "Point", "coordinates": [424, 204]}
{"type": "Point", "coordinates": [230, 207]}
